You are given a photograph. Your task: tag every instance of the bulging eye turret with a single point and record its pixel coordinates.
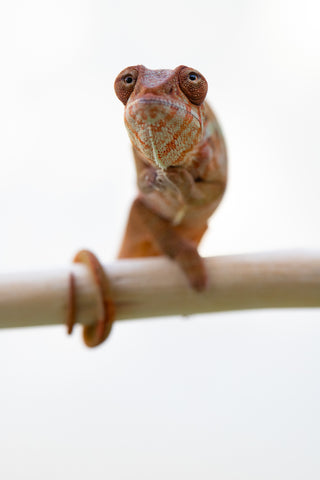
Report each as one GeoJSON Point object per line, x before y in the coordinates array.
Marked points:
{"type": "Point", "coordinates": [193, 85]}
{"type": "Point", "coordinates": [125, 82]}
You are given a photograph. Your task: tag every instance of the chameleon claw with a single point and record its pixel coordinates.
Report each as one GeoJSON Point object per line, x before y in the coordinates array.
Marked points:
{"type": "Point", "coordinates": [97, 333]}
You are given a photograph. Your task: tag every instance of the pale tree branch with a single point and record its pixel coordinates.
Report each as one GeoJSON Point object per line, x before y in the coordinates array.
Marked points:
{"type": "Point", "coordinates": [154, 287]}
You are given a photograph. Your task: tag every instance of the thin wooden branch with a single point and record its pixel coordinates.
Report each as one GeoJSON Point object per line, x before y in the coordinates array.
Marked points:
{"type": "Point", "coordinates": [155, 287]}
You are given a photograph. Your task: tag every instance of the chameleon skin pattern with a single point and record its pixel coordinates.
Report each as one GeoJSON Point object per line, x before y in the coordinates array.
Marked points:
{"type": "Point", "coordinates": [163, 125]}
{"type": "Point", "coordinates": [181, 162]}
{"type": "Point", "coordinates": [166, 134]}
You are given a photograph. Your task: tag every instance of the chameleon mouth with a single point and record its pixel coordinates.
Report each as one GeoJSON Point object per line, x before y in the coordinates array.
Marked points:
{"type": "Point", "coordinates": [155, 100]}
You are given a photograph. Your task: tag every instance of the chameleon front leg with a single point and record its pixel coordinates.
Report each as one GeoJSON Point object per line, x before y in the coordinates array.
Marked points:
{"type": "Point", "coordinates": [190, 187]}
{"type": "Point", "coordinates": [148, 234]}
{"type": "Point", "coordinates": [195, 192]}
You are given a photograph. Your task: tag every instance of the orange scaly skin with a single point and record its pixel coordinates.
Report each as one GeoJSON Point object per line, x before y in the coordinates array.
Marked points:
{"type": "Point", "coordinates": [181, 164]}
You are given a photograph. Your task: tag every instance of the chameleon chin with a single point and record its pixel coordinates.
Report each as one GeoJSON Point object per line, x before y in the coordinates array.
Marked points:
{"type": "Point", "coordinates": [181, 163]}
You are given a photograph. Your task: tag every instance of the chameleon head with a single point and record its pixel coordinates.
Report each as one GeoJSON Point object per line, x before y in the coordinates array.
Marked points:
{"type": "Point", "coordinates": [163, 111]}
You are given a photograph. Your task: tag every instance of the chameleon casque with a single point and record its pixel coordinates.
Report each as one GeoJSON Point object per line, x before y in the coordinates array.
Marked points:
{"type": "Point", "coordinates": [181, 162]}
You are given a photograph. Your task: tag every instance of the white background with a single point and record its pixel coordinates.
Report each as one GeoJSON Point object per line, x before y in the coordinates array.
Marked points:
{"type": "Point", "coordinates": [226, 396]}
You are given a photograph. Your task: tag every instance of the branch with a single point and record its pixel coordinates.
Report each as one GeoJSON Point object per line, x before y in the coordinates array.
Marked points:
{"type": "Point", "coordinates": [154, 287]}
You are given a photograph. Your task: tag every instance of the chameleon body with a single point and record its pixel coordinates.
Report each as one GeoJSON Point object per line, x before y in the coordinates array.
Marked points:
{"type": "Point", "coordinates": [181, 164]}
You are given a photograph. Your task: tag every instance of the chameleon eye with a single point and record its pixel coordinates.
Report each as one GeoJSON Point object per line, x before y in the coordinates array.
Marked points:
{"type": "Point", "coordinates": [193, 85]}
{"type": "Point", "coordinates": [193, 76]}
{"type": "Point", "coordinates": [124, 83]}
{"type": "Point", "coordinates": [128, 79]}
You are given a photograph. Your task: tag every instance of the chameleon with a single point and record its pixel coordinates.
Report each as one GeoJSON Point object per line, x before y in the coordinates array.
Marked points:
{"type": "Point", "coordinates": [181, 164]}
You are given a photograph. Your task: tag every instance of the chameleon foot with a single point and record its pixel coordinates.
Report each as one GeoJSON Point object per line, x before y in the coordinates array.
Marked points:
{"type": "Point", "coordinates": [93, 335]}
{"type": "Point", "coordinates": [193, 266]}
